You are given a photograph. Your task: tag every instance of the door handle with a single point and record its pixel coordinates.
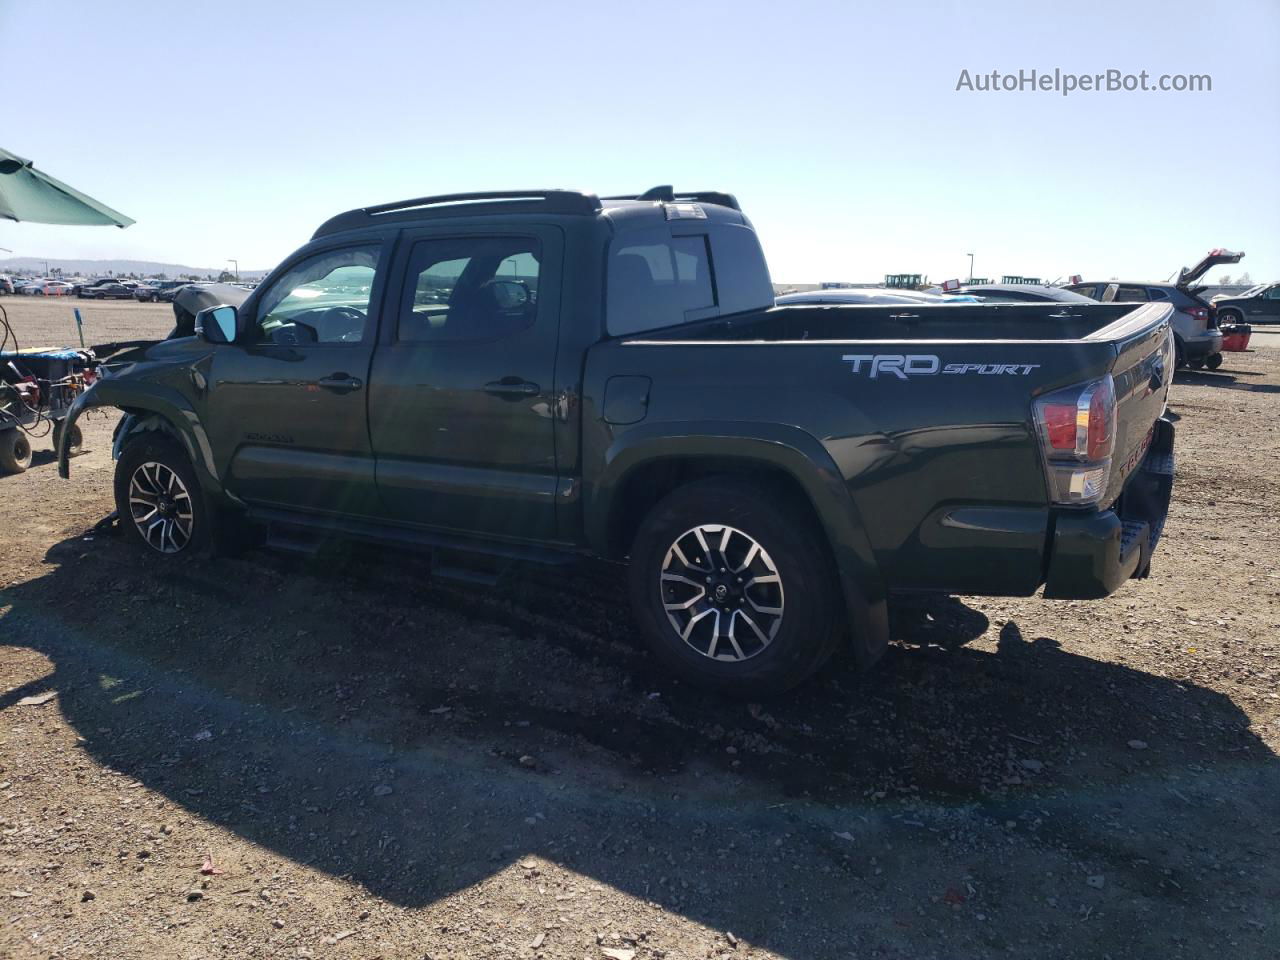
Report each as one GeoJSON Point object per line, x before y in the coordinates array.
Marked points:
{"type": "Point", "coordinates": [512, 388]}
{"type": "Point", "coordinates": [340, 383]}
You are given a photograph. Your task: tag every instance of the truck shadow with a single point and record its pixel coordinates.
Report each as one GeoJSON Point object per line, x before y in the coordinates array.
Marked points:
{"type": "Point", "coordinates": [1227, 379]}
{"type": "Point", "coordinates": [416, 737]}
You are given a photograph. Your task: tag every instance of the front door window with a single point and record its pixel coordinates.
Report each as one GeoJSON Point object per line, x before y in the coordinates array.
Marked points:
{"type": "Point", "coordinates": [323, 299]}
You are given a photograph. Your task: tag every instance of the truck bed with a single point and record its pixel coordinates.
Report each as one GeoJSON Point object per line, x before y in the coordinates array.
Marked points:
{"type": "Point", "coordinates": [874, 322]}
{"type": "Point", "coordinates": [925, 413]}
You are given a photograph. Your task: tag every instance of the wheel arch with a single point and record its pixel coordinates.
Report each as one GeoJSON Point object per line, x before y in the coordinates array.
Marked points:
{"type": "Point", "coordinates": [643, 466]}
{"type": "Point", "coordinates": [147, 406]}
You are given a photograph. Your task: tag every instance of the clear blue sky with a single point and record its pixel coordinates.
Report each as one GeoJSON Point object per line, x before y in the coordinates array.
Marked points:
{"type": "Point", "coordinates": [233, 129]}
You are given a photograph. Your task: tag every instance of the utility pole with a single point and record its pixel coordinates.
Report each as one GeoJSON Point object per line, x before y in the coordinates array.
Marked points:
{"type": "Point", "coordinates": [970, 268]}
{"type": "Point", "coordinates": [237, 266]}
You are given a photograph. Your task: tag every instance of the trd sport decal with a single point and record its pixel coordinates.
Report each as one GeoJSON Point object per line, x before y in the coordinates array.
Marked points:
{"type": "Point", "coordinates": [903, 366]}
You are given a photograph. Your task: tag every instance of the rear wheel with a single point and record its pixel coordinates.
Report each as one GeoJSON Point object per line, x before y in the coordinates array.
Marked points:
{"type": "Point", "coordinates": [15, 451]}
{"type": "Point", "coordinates": [1196, 364]}
{"type": "Point", "coordinates": [1214, 362]}
{"type": "Point", "coordinates": [158, 498]}
{"type": "Point", "coordinates": [733, 588]}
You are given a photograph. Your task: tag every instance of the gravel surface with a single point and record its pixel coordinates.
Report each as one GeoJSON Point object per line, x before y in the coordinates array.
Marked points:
{"type": "Point", "coordinates": [340, 757]}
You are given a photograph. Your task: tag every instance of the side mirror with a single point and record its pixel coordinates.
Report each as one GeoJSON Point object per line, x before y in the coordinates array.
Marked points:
{"type": "Point", "coordinates": [509, 294]}
{"type": "Point", "coordinates": [216, 324]}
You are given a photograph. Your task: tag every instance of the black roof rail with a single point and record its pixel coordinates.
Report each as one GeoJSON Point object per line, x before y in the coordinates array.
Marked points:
{"type": "Point", "coordinates": [668, 194]}
{"type": "Point", "coordinates": [447, 205]}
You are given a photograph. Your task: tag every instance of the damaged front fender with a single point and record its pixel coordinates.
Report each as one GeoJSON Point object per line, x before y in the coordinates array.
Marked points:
{"type": "Point", "coordinates": [152, 405]}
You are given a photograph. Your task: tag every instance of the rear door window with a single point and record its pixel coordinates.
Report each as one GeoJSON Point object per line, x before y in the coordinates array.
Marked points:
{"type": "Point", "coordinates": [1155, 293]}
{"type": "Point", "coordinates": [658, 280]}
{"type": "Point", "coordinates": [470, 289]}
{"type": "Point", "coordinates": [1128, 294]}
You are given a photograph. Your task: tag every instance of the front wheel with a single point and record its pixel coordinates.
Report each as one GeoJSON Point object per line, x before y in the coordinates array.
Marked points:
{"type": "Point", "coordinates": [1229, 316]}
{"type": "Point", "coordinates": [158, 498]}
{"type": "Point", "coordinates": [734, 589]}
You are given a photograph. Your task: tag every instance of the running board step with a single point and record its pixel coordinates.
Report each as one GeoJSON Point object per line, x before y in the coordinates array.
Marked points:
{"type": "Point", "coordinates": [292, 540]}
{"type": "Point", "coordinates": [480, 578]}
{"type": "Point", "coordinates": [291, 527]}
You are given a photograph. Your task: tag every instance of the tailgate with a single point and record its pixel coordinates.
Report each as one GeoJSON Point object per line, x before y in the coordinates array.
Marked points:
{"type": "Point", "coordinates": [1214, 258]}
{"type": "Point", "coordinates": [1142, 372]}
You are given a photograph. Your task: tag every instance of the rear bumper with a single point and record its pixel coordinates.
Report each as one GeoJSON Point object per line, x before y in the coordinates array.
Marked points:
{"type": "Point", "coordinates": [1204, 345]}
{"type": "Point", "coordinates": [1094, 553]}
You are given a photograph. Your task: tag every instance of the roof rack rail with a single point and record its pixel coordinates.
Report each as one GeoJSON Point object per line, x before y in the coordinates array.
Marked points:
{"type": "Point", "coordinates": [506, 201]}
{"type": "Point", "coordinates": [668, 194]}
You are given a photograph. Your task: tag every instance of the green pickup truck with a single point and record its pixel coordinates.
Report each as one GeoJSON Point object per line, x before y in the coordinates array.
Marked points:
{"type": "Point", "coordinates": [540, 375]}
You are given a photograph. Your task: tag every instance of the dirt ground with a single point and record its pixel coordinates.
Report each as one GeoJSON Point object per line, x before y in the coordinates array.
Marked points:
{"type": "Point", "coordinates": [370, 763]}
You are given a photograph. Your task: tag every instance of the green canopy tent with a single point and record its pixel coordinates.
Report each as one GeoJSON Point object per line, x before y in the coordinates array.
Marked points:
{"type": "Point", "coordinates": [28, 194]}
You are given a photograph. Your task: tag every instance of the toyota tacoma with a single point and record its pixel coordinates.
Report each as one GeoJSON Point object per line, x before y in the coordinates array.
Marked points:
{"type": "Point", "coordinates": [539, 375]}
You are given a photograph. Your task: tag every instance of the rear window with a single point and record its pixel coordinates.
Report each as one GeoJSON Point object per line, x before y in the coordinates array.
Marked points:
{"type": "Point", "coordinates": [657, 280]}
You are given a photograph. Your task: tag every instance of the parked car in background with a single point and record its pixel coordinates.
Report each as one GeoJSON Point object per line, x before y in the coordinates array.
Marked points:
{"type": "Point", "coordinates": [85, 288]}
{"type": "Point", "coordinates": [158, 291]}
{"type": "Point", "coordinates": [54, 288]}
{"type": "Point", "coordinates": [1022, 293]}
{"type": "Point", "coordinates": [6, 283]}
{"type": "Point", "coordinates": [1260, 304]}
{"type": "Point", "coordinates": [109, 290]}
{"type": "Point", "coordinates": [1195, 321]}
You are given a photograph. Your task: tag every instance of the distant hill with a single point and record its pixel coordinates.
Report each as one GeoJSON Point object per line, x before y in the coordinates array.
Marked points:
{"type": "Point", "coordinates": [115, 268]}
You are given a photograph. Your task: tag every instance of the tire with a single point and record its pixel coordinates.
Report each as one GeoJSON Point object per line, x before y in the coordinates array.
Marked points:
{"type": "Point", "coordinates": [1230, 315]}
{"type": "Point", "coordinates": [76, 442]}
{"type": "Point", "coordinates": [1196, 364]}
{"type": "Point", "coordinates": [780, 651]}
{"type": "Point", "coordinates": [15, 451]}
{"type": "Point", "coordinates": [1214, 362]}
{"type": "Point", "coordinates": [153, 472]}
{"type": "Point", "coordinates": [1179, 354]}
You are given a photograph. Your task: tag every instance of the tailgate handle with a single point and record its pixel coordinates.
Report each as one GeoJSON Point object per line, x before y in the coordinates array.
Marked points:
{"type": "Point", "coordinates": [340, 383]}
{"type": "Point", "coordinates": [512, 388]}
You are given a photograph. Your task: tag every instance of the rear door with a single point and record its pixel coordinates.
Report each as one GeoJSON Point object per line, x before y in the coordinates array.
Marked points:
{"type": "Point", "coordinates": [462, 401]}
{"type": "Point", "coordinates": [285, 404]}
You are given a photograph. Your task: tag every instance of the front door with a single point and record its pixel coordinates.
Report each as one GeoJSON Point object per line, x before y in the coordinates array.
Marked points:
{"type": "Point", "coordinates": [1266, 305]}
{"type": "Point", "coordinates": [462, 391]}
{"type": "Point", "coordinates": [287, 402]}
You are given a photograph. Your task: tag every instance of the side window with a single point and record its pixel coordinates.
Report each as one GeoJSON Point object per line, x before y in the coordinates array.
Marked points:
{"type": "Point", "coordinates": [1126, 294]}
{"type": "Point", "coordinates": [655, 279]}
{"type": "Point", "coordinates": [323, 299]}
{"type": "Point", "coordinates": [1274, 293]}
{"type": "Point", "coordinates": [475, 288]}
{"type": "Point", "coordinates": [1155, 293]}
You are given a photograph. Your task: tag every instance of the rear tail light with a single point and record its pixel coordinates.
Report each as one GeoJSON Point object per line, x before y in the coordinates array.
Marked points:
{"type": "Point", "coordinates": [1077, 428]}
{"type": "Point", "coordinates": [1201, 313]}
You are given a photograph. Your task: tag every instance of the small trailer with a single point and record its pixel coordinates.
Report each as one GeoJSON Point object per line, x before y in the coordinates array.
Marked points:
{"type": "Point", "coordinates": [37, 387]}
